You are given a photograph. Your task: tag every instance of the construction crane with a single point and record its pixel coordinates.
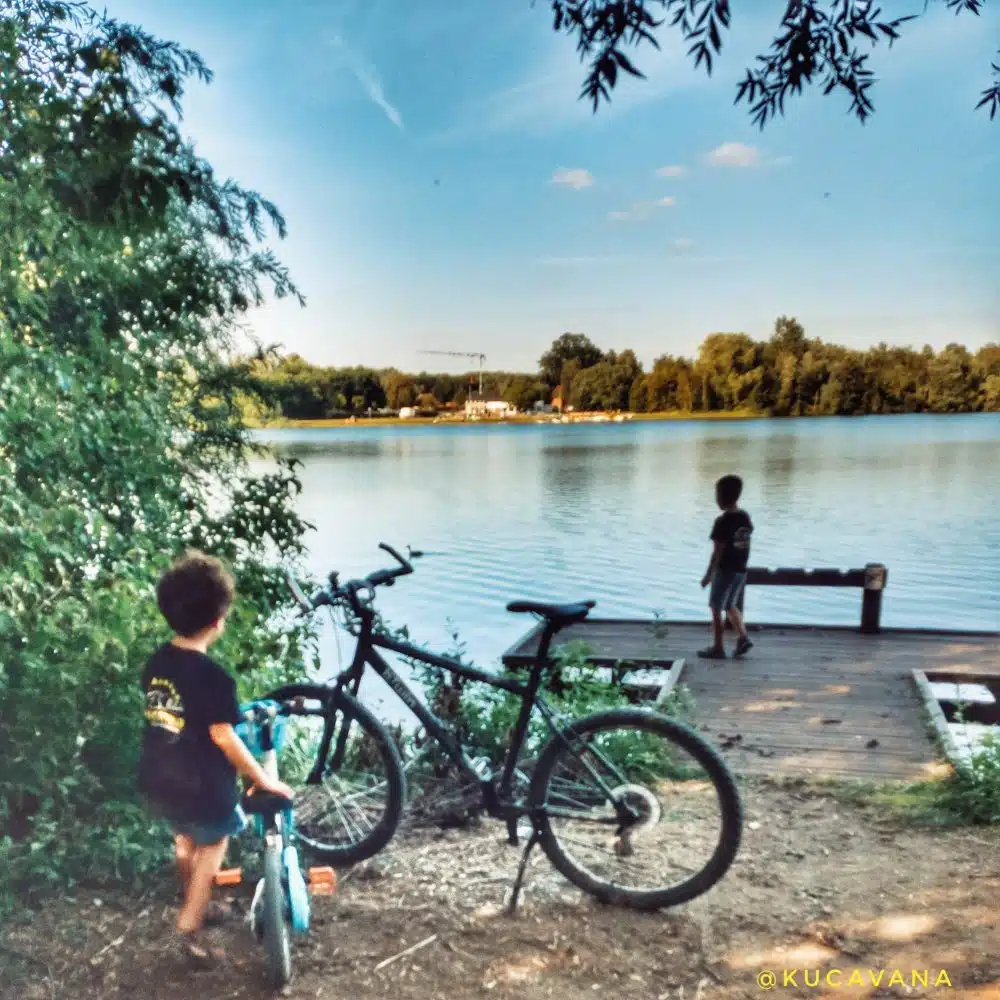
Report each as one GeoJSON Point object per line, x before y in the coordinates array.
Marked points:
{"type": "Point", "coordinates": [465, 354]}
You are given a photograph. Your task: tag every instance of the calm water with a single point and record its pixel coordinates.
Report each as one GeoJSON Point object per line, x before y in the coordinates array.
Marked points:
{"type": "Point", "coordinates": [621, 513]}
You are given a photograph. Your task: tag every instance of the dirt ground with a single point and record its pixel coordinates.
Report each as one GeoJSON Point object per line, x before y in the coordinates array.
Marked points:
{"type": "Point", "coordinates": [822, 885]}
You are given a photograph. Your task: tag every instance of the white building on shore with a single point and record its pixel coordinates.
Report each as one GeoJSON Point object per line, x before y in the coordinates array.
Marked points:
{"type": "Point", "coordinates": [477, 406]}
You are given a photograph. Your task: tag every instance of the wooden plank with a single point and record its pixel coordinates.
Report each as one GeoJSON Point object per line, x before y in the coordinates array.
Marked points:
{"type": "Point", "coordinates": [798, 675]}
{"type": "Point", "coordinates": [675, 675]}
{"type": "Point", "coordinates": [759, 577]}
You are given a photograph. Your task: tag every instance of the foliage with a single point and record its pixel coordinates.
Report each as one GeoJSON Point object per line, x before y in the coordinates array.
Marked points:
{"type": "Point", "coordinates": [125, 264]}
{"type": "Point", "coordinates": [972, 792]}
{"type": "Point", "coordinates": [789, 374]}
{"type": "Point", "coordinates": [816, 43]}
{"type": "Point", "coordinates": [570, 347]}
{"type": "Point", "coordinates": [484, 719]}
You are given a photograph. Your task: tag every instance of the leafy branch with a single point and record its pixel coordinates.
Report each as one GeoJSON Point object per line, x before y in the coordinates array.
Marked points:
{"type": "Point", "coordinates": [816, 43]}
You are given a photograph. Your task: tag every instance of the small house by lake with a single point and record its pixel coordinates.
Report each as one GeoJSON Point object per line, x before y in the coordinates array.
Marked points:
{"type": "Point", "coordinates": [478, 407]}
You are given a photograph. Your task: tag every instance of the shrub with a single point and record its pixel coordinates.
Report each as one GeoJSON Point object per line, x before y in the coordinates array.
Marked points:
{"type": "Point", "coordinates": [123, 275]}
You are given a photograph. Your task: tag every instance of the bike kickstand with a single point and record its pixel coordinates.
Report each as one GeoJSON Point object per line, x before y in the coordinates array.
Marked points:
{"type": "Point", "coordinates": [516, 890]}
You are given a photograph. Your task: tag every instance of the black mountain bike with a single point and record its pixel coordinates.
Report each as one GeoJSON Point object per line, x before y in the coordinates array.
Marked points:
{"type": "Point", "coordinates": [628, 804]}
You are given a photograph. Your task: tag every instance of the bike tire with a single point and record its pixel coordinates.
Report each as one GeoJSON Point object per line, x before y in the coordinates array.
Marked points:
{"type": "Point", "coordinates": [685, 738]}
{"type": "Point", "coordinates": [277, 936]}
{"type": "Point", "coordinates": [343, 707]}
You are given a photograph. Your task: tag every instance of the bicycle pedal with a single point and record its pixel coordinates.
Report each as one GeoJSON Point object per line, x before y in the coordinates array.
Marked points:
{"type": "Point", "coordinates": [229, 876]}
{"type": "Point", "coordinates": [322, 881]}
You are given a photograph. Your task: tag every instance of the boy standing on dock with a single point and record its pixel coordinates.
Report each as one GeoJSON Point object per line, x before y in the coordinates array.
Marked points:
{"type": "Point", "coordinates": [727, 570]}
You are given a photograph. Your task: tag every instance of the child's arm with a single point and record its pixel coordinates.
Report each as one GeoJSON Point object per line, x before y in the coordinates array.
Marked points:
{"type": "Point", "coordinates": [236, 752]}
{"type": "Point", "coordinates": [712, 563]}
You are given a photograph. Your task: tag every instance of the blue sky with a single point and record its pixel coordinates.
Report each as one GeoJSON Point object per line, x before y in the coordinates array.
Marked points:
{"type": "Point", "coordinates": [444, 188]}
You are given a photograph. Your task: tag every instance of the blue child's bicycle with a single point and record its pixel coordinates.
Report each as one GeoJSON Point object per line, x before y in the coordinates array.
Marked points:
{"type": "Point", "coordinates": [280, 904]}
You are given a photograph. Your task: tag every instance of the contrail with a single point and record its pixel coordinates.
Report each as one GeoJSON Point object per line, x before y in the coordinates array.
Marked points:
{"type": "Point", "coordinates": [372, 85]}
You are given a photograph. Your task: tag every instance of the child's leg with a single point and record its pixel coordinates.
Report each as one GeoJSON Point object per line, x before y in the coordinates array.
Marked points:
{"type": "Point", "coordinates": [716, 629]}
{"type": "Point", "coordinates": [205, 864]}
{"type": "Point", "coordinates": [184, 849]}
{"type": "Point", "coordinates": [736, 620]}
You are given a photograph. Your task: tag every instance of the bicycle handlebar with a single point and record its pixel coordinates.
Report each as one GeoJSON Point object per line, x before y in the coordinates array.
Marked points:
{"type": "Point", "coordinates": [349, 590]}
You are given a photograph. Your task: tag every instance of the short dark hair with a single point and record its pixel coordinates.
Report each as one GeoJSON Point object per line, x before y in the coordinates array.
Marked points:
{"type": "Point", "coordinates": [195, 593]}
{"type": "Point", "coordinates": [728, 490]}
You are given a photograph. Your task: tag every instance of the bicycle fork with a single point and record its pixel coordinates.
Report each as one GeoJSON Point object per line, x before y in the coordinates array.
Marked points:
{"type": "Point", "coordinates": [293, 888]}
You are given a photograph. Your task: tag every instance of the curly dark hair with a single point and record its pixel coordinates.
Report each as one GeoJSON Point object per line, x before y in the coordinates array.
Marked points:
{"type": "Point", "coordinates": [728, 490]}
{"type": "Point", "coordinates": [195, 593]}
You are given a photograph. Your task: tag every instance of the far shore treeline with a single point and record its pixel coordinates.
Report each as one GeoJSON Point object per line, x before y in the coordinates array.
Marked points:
{"type": "Point", "coordinates": [789, 374]}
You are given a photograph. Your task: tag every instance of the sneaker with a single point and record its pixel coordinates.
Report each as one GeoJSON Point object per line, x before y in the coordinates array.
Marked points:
{"type": "Point", "coordinates": [712, 653]}
{"type": "Point", "coordinates": [742, 647]}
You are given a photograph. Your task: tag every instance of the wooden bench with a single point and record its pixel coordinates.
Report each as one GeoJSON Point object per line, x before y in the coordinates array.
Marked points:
{"type": "Point", "coordinates": [871, 581]}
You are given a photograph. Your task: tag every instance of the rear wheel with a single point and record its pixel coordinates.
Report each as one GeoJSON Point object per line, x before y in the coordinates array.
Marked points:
{"type": "Point", "coordinates": [277, 939]}
{"type": "Point", "coordinates": [353, 807]}
{"type": "Point", "coordinates": [635, 808]}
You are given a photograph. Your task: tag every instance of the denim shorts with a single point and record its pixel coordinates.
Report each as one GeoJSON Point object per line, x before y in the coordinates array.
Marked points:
{"type": "Point", "coordinates": [727, 585]}
{"type": "Point", "coordinates": [206, 834]}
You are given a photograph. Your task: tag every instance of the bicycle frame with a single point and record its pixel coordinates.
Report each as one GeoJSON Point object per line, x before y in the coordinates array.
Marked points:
{"type": "Point", "coordinates": [496, 798]}
{"type": "Point", "coordinates": [279, 836]}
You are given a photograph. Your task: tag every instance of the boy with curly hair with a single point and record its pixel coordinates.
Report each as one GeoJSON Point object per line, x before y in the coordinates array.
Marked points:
{"type": "Point", "coordinates": [191, 754]}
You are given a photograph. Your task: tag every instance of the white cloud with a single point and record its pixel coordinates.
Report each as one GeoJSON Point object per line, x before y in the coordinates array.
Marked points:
{"type": "Point", "coordinates": [575, 178]}
{"type": "Point", "coordinates": [683, 243]}
{"type": "Point", "coordinates": [368, 77]}
{"type": "Point", "coordinates": [640, 211]}
{"type": "Point", "coordinates": [671, 171]}
{"type": "Point", "coordinates": [734, 154]}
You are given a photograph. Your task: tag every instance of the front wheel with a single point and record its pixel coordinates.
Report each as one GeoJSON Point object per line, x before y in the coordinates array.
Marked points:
{"type": "Point", "coordinates": [347, 776]}
{"type": "Point", "coordinates": [277, 940]}
{"type": "Point", "coordinates": [636, 809]}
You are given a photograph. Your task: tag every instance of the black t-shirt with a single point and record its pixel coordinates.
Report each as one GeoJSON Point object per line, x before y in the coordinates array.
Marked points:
{"type": "Point", "coordinates": [186, 693]}
{"type": "Point", "coordinates": [733, 529]}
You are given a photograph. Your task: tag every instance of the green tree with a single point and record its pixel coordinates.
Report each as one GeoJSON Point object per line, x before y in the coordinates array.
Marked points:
{"type": "Point", "coordinates": [991, 394]}
{"type": "Point", "coordinates": [788, 374]}
{"type": "Point", "coordinates": [817, 42]}
{"type": "Point", "coordinates": [669, 385]}
{"type": "Point", "coordinates": [573, 347]}
{"type": "Point", "coordinates": [570, 371]}
{"type": "Point", "coordinates": [638, 397]}
{"type": "Point", "coordinates": [729, 364]}
{"type": "Point", "coordinates": [523, 392]}
{"type": "Point", "coordinates": [123, 275]}
{"type": "Point", "coordinates": [952, 381]}
{"type": "Point", "coordinates": [427, 403]}
{"type": "Point", "coordinates": [399, 390]}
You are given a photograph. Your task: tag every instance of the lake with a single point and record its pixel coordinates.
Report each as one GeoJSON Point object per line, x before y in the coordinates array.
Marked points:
{"type": "Point", "coordinates": [621, 513]}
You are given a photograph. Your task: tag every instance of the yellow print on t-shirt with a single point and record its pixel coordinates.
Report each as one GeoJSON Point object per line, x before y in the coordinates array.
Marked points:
{"type": "Point", "coordinates": [164, 706]}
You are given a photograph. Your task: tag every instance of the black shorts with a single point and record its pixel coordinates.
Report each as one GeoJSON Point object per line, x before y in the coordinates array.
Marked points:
{"type": "Point", "coordinates": [727, 585]}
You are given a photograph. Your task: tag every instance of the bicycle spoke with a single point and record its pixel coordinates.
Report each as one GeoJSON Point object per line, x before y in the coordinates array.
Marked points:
{"type": "Point", "coordinates": [629, 809]}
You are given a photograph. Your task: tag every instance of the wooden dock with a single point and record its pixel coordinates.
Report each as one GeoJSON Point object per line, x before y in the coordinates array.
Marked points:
{"type": "Point", "coordinates": [824, 702]}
